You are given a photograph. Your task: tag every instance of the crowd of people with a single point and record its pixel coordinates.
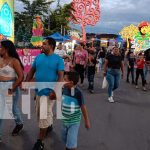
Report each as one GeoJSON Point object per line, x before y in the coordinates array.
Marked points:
{"type": "Point", "coordinates": [55, 65]}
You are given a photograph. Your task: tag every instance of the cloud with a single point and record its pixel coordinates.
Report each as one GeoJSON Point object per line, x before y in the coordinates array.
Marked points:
{"type": "Point", "coordinates": [115, 14]}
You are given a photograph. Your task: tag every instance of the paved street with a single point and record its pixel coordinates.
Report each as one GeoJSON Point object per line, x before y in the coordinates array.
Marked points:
{"type": "Point", "coordinates": [124, 125]}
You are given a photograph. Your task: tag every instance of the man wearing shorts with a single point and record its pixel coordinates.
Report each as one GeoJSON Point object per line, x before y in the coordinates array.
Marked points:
{"type": "Point", "coordinates": [47, 67]}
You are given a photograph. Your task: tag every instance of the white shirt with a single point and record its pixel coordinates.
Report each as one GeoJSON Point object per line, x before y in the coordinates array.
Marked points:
{"type": "Point", "coordinates": [61, 53]}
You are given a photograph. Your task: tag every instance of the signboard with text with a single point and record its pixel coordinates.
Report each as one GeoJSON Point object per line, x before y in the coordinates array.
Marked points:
{"type": "Point", "coordinates": [27, 57]}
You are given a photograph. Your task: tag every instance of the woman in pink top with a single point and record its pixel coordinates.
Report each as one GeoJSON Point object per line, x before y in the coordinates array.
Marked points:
{"type": "Point", "coordinates": [80, 61]}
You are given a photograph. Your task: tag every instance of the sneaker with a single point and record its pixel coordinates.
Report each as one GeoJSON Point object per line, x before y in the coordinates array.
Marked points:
{"type": "Point", "coordinates": [136, 87]}
{"type": "Point", "coordinates": [49, 129]}
{"type": "Point", "coordinates": [111, 100]}
{"type": "Point", "coordinates": [17, 129]}
{"type": "Point", "coordinates": [38, 145]}
{"type": "Point", "coordinates": [144, 89]}
{"type": "Point", "coordinates": [91, 91]}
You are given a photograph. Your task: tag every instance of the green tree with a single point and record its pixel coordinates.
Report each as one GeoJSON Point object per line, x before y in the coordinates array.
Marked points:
{"type": "Point", "coordinates": [53, 19]}
{"type": "Point", "coordinates": [59, 18]}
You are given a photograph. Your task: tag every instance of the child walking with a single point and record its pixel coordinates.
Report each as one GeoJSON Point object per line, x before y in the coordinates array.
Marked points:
{"type": "Point", "coordinates": [140, 62]}
{"type": "Point", "coordinates": [91, 67]}
{"type": "Point", "coordinates": [68, 64]}
{"type": "Point", "coordinates": [72, 107]}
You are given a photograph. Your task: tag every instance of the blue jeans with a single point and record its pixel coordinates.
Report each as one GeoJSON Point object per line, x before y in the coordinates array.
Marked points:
{"type": "Point", "coordinates": [15, 107]}
{"type": "Point", "coordinates": [2, 105]}
{"type": "Point", "coordinates": [113, 78]}
{"type": "Point", "coordinates": [132, 73]}
{"type": "Point", "coordinates": [70, 135]}
{"type": "Point", "coordinates": [145, 71]}
{"type": "Point", "coordinates": [91, 81]}
{"type": "Point", "coordinates": [101, 63]}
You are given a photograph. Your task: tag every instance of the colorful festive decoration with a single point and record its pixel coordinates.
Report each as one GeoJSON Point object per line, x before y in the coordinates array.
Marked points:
{"type": "Point", "coordinates": [129, 32]}
{"type": "Point", "coordinates": [139, 36]}
{"type": "Point", "coordinates": [2, 37]}
{"type": "Point", "coordinates": [86, 12]}
{"type": "Point", "coordinates": [37, 32]}
{"type": "Point", "coordinates": [7, 19]}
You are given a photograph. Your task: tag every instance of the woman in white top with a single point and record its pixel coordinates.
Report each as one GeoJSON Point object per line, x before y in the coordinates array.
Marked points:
{"type": "Point", "coordinates": [11, 71]}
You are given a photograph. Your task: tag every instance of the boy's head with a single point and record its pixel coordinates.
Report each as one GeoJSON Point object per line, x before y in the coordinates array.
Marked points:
{"type": "Point", "coordinates": [141, 55]}
{"type": "Point", "coordinates": [67, 59]}
{"type": "Point", "coordinates": [131, 54]}
{"type": "Point", "coordinates": [72, 76]}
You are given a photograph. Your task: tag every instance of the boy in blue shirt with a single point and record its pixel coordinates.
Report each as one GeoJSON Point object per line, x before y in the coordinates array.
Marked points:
{"type": "Point", "coordinates": [72, 107]}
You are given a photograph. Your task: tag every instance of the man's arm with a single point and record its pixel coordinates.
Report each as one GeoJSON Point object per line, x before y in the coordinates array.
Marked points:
{"type": "Point", "coordinates": [60, 76]}
{"type": "Point", "coordinates": [52, 95]}
{"type": "Point", "coordinates": [122, 68]}
{"type": "Point", "coordinates": [105, 67]}
{"type": "Point", "coordinates": [86, 61]}
{"type": "Point", "coordinates": [30, 75]}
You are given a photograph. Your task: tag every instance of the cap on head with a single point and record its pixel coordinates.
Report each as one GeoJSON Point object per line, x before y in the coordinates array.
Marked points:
{"type": "Point", "coordinates": [143, 24]}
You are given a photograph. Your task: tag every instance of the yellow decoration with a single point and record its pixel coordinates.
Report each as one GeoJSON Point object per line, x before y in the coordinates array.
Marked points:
{"type": "Point", "coordinates": [139, 36]}
{"type": "Point", "coordinates": [129, 32]}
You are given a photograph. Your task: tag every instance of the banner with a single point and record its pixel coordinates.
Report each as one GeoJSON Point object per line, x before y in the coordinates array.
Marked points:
{"type": "Point", "coordinates": [7, 19]}
{"type": "Point", "coordinates": [27, 57]}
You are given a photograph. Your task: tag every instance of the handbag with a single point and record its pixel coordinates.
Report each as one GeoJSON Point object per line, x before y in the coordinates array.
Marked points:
{"type": "Point", "coordinates": [105, 83]}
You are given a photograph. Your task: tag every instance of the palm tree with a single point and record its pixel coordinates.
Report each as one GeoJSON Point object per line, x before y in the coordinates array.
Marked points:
{"type": "Point", "coordinates": [59, 17]}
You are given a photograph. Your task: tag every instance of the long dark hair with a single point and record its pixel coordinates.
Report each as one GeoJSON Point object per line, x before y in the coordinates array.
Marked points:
{"type": "Point", "coordinates": [11, 50]}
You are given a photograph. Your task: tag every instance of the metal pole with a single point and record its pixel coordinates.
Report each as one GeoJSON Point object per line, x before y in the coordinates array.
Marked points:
{"type": "Point", "coordinates": [64, 31]}
{"type": "Point", "coordinates": [61, 29]}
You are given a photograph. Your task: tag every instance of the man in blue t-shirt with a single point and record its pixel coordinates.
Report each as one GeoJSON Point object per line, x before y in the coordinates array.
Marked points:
{"type": "Point", "coordinates": [47, 67]}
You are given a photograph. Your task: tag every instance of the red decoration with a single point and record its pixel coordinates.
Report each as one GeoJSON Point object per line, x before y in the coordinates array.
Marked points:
{"type": "Point", "coordinates": [86, 12]}
{"type": "Point", "coordinates": [143, 24]}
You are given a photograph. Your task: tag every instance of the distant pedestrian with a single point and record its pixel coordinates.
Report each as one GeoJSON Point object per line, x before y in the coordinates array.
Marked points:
{"type": "Point", "coordinates": [140, 62]}
{"type": "Point", "coordinates": [130, 65]}
{"type": "Point", "coordinates": [101, 57]}
{"type": "Point", "coordinates": [80, 61]}
{"type": "Point", "coordinates": [147, 64]}
{"type": "Point", "coordinates": [60, 50]}
{"type": "Point", "coordinates": [68, 64]}
{"type": "Point", "coordinates": [91, 68]}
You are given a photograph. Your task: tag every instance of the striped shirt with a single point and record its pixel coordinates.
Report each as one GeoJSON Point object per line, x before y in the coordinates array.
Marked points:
{"type": "Point", "coordinates": [71, 105]}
